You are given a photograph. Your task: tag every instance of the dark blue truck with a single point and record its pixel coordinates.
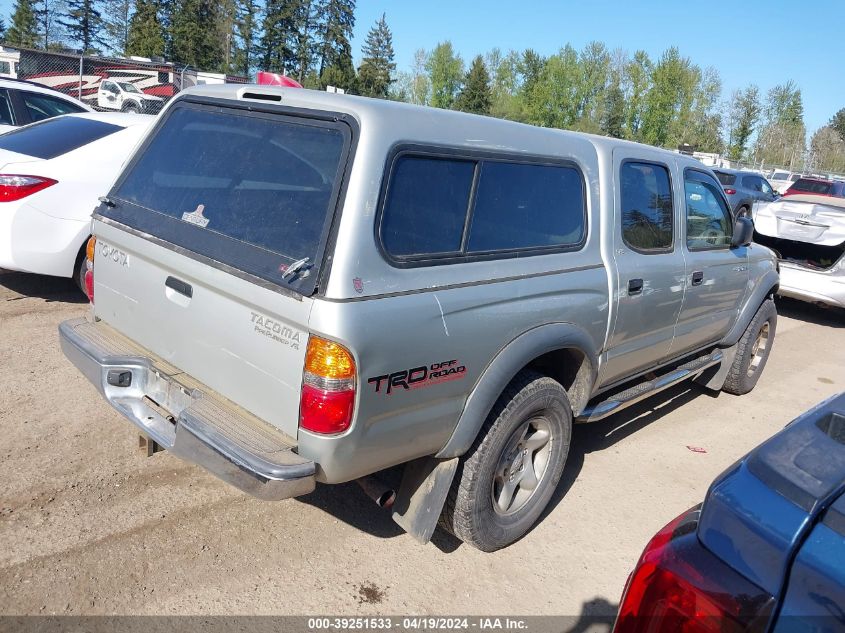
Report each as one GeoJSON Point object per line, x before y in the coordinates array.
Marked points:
{"type": "Point", "coordinates": [764, 553]}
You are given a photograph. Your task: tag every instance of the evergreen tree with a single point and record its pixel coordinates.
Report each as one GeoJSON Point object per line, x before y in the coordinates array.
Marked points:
{"type": "Point", "coordinates": [2, 29]}
{"type": "Point", "coordinates": [377, 68]}
{"type": "Point", "coordinates": [195, 34]}
{"type": "Point", "coordinates": [146, 33]}
{"type": "Point", "coordinates": [24, 29]}
{"type": "Point", "coordinates": [118, 17]}
{"type": "Point", "coordinates": [336, 19]}
{"type": "Point", "coordinates": [84, 23]}
{"type": "Point", "coordinates": [246, 32]}
{"type": "Point", "coordinates": [445, 72]}
{"type": "Point", "coordinates": [837, 122]}
{"type": "Point", "coordinates": [613, 122]}
{"type": "Point", "coordinates": [476, 95]}
{"type": "Point", "coordinates": [278, 30]}
{"type": "Point", "coordinates": [303, 45]}
{"type": "Point", "coordinates": [47, 13]}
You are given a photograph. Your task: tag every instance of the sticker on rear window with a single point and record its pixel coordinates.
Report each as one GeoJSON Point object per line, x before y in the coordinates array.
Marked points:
{"type": "Point", "coordinates": [196, 217]}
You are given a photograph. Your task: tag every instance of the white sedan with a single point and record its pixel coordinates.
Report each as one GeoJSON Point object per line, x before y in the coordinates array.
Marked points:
{"type": "Point", "coordinates": [51, 175]}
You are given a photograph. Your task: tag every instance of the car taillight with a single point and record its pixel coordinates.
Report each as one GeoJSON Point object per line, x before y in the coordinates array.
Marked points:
{"type": "Point", "coordinates": [328, 387]}
{"type": "Point", "coordinates": [730, 192]}
{"type": "Point", "coordinates": [13, 187]}
{"type": "Point", "coordinates": [89, 263]}
{"type": "Point", "coordinates": [680, 586]}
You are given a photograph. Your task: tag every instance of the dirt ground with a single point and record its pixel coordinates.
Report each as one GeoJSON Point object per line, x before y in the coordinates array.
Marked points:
{"type": "Point", "coordinates": [88, 525]}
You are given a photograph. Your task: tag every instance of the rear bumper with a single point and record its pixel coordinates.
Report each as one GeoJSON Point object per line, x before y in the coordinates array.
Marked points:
{"type": "Point", "coordinates": [185, 417]}
{"type": "Point", "coordinates": [817, 286]}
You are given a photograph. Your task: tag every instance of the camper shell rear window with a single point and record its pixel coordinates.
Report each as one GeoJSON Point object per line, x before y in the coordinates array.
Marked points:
{"type": "Point", "coordinates": [253, 190]}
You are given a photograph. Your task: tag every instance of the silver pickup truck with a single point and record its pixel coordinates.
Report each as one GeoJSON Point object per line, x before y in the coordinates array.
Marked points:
{"type": "Point", "coordinates": [291, 287]}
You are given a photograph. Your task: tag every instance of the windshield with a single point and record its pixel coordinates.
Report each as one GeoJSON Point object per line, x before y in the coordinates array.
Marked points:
{"type": "Point", "coordinates": [128, 87]}
{"type": "Point", "coordinates": [780, 175]}
{"type": "Point", "coordinates": [252, 191]}
{"type": "Point", "coordinates": [53, 137]}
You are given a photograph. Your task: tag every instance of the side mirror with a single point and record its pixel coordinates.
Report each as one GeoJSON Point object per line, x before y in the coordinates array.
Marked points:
{"type": "Point", "coordinates": [743, 232]}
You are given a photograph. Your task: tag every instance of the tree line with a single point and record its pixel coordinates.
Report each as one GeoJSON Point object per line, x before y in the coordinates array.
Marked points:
{"type": "Point", "coordinates": [667, 101]}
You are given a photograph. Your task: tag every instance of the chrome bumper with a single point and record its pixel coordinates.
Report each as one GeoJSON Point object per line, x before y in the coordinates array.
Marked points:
{"type": "Point", "coordinates": [185, 417]}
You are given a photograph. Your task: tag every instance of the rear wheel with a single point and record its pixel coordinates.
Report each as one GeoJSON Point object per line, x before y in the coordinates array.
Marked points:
{"type": "Point", "coordinates": [80, 268]}
{"type": "Point", "coordinates": [753, 350]}
{"type": "Point", "coordinates": [506, 479]}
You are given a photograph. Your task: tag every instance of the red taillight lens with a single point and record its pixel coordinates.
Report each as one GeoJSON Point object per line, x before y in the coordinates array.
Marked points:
{"type": "Point", "coordinates": [323, 411]}
{"type": "Point", "coordinates": [14, 187]}
{"type": "Point", "coordinates": [328, 387]}
{"type": "Point", "coordinates": [730, 192]}
{"type": "Point", "coordinates": [679, 586]}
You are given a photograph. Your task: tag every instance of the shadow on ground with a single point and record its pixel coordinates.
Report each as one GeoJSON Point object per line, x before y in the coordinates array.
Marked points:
{"type": "Point", "coordinates": [828, 316]}
{"type": "Point", "coordinates": [348, 503]}
{"type": "Point", "coordinates": [42, 287]}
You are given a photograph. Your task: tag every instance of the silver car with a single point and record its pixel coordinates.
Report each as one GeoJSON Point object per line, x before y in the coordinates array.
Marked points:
{"type": "Point", "coordinates": [291, 287]}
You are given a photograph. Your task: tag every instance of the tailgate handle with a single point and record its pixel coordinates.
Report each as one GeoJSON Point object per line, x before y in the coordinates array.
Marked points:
{"type": "Point", "coordinates": [182, 287]}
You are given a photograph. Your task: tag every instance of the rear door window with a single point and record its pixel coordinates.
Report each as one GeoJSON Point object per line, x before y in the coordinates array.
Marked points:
{"type": "Point", "coordinates": [255, 191]}
{"type": "Point", "coordinates": [42, 107]}
{"type": "Point", "coordinates": [54, 137]}
{"type": "Point", "coordinates": [647, 212]}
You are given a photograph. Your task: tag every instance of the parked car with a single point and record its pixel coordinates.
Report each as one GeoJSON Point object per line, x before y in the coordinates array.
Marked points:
{"type": "Point", "coordinates": [51, 174]}
{"type": "Point", "coordinates": [291, 286]}
{"type": "Point", "coordinates": [126, 97]}
{"type": "Point", "coordinates": [744, 188]}
{"type": "Point", "coordinates": [24, 102]}
{"type": "Point", "coordinates": [782, 180]}
{"type": "Point", "coordinates": [766, 550]}
{"type": "Point", "coordinates": [807, 232]}
{"type": "Point", "coordinates": [816, 187]}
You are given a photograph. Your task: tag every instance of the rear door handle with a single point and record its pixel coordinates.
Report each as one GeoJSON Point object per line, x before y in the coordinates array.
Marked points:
{"type": "Point", "coordinates": [635, 286]}
{"type": "Point", "coordinates": [182, 287]}
{"type": "Point", "coordinates": [697, 278]}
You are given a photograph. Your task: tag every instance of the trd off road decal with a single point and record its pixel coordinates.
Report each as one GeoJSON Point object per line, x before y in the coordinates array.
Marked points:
{"type": "Point", "coordinates": [419, 377]}
{"type": "Point", "coordinates": [275, 330]}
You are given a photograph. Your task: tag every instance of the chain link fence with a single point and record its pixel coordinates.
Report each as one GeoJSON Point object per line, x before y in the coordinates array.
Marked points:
{"type": "Point", "coordinates": [106, 83]}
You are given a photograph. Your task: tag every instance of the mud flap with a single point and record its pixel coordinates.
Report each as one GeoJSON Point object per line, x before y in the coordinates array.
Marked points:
{"type": "Point", "coordinates": [422, 493]}
{"type": "Point", "coordinates": [714, 377]}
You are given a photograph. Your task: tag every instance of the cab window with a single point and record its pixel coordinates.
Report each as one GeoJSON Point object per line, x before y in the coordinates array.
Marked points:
{"type": "Point", "coordinates": [709, 222]}
{"type": "Point", "coordinates": [647, 213]}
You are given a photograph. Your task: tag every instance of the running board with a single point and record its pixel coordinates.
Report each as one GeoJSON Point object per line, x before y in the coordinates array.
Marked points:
{"type": "Point", "coordinates": [632, 395]}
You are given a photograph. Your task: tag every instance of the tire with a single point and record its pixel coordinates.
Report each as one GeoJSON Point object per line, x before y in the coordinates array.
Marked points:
{"type": "Point", "coordinates": [131, 108]}
{"type": "Point", "coordinates": [80, 268]}
{"type": "Point", "coordinates": [753, 350]}
{"type": "Point", "coordinates": [477, 509]}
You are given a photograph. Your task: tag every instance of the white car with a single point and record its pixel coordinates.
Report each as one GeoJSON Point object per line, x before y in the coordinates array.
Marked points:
{"type": "Point", "coordinates": [24, 102]}
{"type": "Point", "coordinates": [51, 175]}
{"type": "Point", "coordinates": [125, 96]}
{"type": "Point", "coordinates": [782, 180]}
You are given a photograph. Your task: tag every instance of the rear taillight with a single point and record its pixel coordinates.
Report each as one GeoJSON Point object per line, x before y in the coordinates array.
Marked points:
{"type": "Point", "coordinates": [13, 187]}
{"type": "Point", "coordinates": [328, 388]}
{"type": "Point", "coordinates": [89, 263]}
{"type": "Point", "coordinates": [680, 586]}
{"type": "Point", "coordinates": [730, 192]}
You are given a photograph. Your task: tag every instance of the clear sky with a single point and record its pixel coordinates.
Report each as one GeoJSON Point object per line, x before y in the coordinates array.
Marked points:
{"type": "Point", "coordinates": [764, 42]}
{"type": "Point", "coordinates": [761, 41]}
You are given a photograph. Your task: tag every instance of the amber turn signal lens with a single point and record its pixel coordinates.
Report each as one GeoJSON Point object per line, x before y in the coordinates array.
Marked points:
{"type": "Point", "coordinates": [328, 359]}
{"type": "Point", "coordinates": [89, 249]}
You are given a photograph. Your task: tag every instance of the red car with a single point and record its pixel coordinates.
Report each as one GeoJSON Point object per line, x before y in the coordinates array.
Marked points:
{"type": "Point", "coordinates": [816, 187]}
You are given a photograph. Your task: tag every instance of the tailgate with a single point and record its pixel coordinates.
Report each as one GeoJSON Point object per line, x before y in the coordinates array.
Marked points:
{"type": "Point", "coordinates": [210, 244]}
{"type": "Point", "coordinates": [244, 341]}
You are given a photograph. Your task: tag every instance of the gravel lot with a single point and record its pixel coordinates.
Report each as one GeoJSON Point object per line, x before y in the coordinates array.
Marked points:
{"type": "Point", "coordinates": [88, 525]}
